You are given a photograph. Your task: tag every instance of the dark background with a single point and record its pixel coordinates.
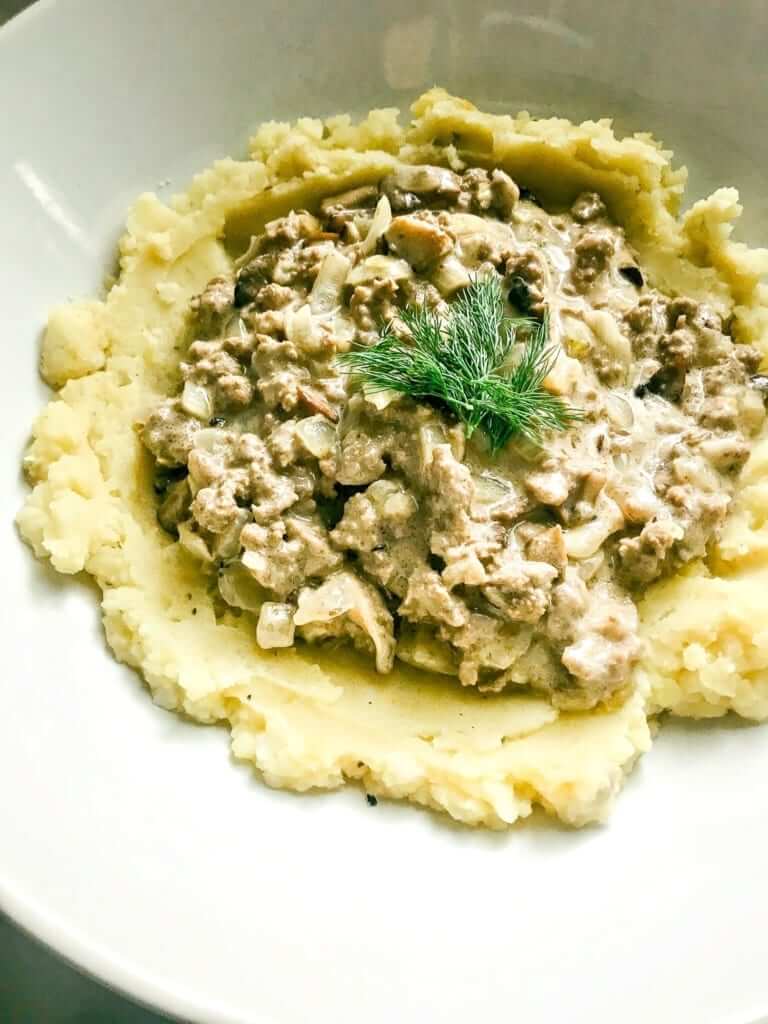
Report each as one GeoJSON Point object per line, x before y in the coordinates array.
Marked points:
{"type": "Point", "coordinates": [35, 986]}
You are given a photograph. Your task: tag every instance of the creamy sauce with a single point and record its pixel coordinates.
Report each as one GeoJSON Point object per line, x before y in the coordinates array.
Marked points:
{"type": "Point", "coordinates": [337, 515]}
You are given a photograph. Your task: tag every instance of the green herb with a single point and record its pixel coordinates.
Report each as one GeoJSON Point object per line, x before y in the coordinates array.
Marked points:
{"type": "Point", "coordinates": [472, 363]}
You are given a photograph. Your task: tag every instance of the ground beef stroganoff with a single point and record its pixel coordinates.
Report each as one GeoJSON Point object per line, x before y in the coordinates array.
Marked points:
{"type": "Point", "coordinates": [341, 513]}
{"type": "Point", "coordinates": [360, 586]}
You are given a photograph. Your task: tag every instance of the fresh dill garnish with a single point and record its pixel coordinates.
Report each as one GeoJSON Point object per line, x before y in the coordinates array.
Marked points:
{"type": "Point", "coordinates": [472, 363]}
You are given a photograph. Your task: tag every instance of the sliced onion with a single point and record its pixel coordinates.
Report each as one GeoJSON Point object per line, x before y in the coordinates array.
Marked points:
{"type": "Point", "coordinates": [250, 252]}
{"type": "Point", "coordinates": [196, 401]}
{"type": "Point", "coordinates": [489, 490]}
{"type": "Point", "coordinates": [527, 449]}
{"type": "Point", "coordinates": [382, 218]}
{"type": "Point", "coordinates": [317, 435]}
{"type": "Point", "coordinates": [379, 266]}
{"type": "Point", "coordinates": [619, 411]}
{"type": "Point", "coordinates": [607, 333]}
{"type": "Point", "coordinates": [326, 291]}
{"type": "Point", "coordinates": [275, 627]}
{"type": "Point", "coordinates": [422, 178]}
{"type": "Point", "coordinates": [239, 589]}
{"type": "Point", "coordinates": [584, 541]}
{"type": "Point", "coordinates": [193, 543]}
{"type": "Point", "coordinates": [227, 544]}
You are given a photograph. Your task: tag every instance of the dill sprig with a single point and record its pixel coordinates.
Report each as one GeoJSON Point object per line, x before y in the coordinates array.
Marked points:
{"type": "Point", "coordinates": [470, 363]}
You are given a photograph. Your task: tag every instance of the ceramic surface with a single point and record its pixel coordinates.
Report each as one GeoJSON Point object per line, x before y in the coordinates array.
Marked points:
{"type": "Point", "coordinates": [129, 841]}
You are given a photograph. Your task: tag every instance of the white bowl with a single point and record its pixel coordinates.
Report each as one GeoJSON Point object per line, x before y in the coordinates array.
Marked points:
{"type": "Point", "coordinates": [128, 840]}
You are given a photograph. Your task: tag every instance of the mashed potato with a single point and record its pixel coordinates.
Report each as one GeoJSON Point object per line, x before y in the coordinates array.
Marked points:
{"type": "Point", "coordinates": [306, 718]}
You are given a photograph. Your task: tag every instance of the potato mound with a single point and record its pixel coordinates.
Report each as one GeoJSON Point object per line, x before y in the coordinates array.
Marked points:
{"type": "Point", "coordinates": [308, 718]}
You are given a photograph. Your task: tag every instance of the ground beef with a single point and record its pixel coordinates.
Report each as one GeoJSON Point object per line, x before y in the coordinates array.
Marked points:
{"type": "Point", "coordinates": [372, 518]}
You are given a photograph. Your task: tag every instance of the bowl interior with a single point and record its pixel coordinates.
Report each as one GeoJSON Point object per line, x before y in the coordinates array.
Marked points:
{"type": "Point", "coordinates": [130, 843]}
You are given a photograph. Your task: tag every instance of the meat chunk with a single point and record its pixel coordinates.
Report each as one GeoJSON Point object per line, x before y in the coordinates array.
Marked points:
{"type": "Point", "coordinates": [642, 559]}
{"type": "Point", "coordinates": [374, 303]}
{"type": "Point", "coordinates": [279, 375]}
{"type": "Point", "coordinates": [169, 434]}
{"type": "Point", "coordinates": [419, 240]}
{"type": "Point", "coordinates": [215, 507]}
{"type": "Point", "coordinates": [528, 268]}
{"type": "Point", "coordinates": [517, 587]}
{"type": "Point", "coordinates": [297, 225]}
{"type": "Point", "coordinates": [587, 207]}
{"type": "Point", "coordinates": [381, 526]}
{"type": "Point", "coordinates": [213, 307]}
{"type": "Point", "coordinates": [592, 256]}
{"type": "Point", "coordinates": [429, 600]}
{"type": "Point", "coordinates": [283, 555]}
{"type": "Point", "coordinates": [603, 654]}
{"type": "Point", "coordinates": [504, 193]}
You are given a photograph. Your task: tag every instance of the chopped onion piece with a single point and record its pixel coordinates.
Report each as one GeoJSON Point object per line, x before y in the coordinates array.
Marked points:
{"type": "Point", "coordinates": [196, 401]}
{"type": "Point", "coordinates": [565, 375]}
{"type": "Point", "coordinates": [275, 627]}
{"type": "Point", "coordinates": [240, 589]}
{"type": "Point", "coordinates": [380, 266]}
{"type": "Point", "coordinates": [300, 326]}
{"type": "Point", "coordinates": [450, 275]}
{"type": "Point", "coordinates": [382, 218]}
{"type": "Point", "coordinates": [379, 398]}
{"type": "Point", "coordinates": [326, 291]}
{"type": "Point", "coordinates": [430, 437]}
{"type": "Point", "coordinates": [317, 435]}
{"type": "Point", "coordinates": [345, 594]}
{"type": "Point", "coordinates": [379, 491]}
{"type": "Point", "coordinates": [390, 499]}
{"type": "Point", "coordinates": [211, 439]}
{"type": "Point", "coordinates": [328, 602]}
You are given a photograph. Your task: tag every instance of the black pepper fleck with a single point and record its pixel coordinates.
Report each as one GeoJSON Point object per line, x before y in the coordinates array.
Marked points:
{"type": "Point", "coordinates": [372, 801]}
